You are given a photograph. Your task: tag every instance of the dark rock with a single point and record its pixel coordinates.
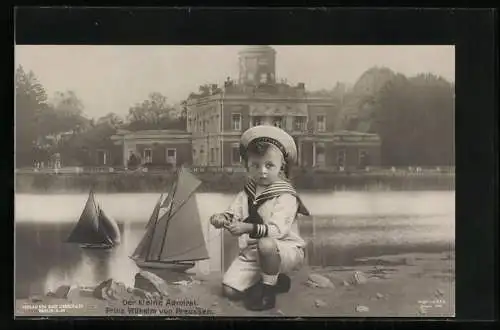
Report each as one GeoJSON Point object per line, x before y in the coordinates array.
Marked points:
{"type": "Point", "coordinates": [140, 293]}
{"type": "Point", "coordinates": [150, 282]}
{"type": "Point", "coordinates": [37, 299]}
{"type": "Point", "coordinates": [61, 292]}
{"type": "Point", "coordinates": [100, 290]}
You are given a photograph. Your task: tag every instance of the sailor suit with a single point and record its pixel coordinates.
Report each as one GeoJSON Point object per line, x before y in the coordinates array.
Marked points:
{"type": "Point", "coordinates": [273, 213]}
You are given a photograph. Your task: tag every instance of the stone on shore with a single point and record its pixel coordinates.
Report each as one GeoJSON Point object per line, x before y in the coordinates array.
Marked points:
{"type": "Point", "coordinates": [150, 282]}
{"type": "Point", "coordinates": [358, 278]}
{"type": "Point", "coordinates": [319, 303]}
{"type": "Point", "coordinates": [319, 281]}
{"type": "Point", "coordinates": [61, 292]}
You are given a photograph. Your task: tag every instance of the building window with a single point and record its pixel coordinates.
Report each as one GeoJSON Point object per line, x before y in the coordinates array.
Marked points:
{"type": "Point", "coordinates": [321, 123]}
{"type": "Point", "coordinates": [217, 155]}
{"type": "Point", "coordinates": [257, 120]}
{"type": "Point", "coordinates": [279, 122]}
{"type": "Point", "coordinates": [341, 158]}
{"type": "Point", "coordinates": [250, 76]}
{"type": "Point", "coordinates": [235, 155]}
{"type": "Point", "coordinates": [172, 156]}
{"type": "Point", "coordinates": [148, 155]}
{"type": "Point", "coordinates": [320, 154]}
{"type": "Point", "coordinates": [299, 123]}
{"type": "Point", "coordinates": [212, 155]}
{"type": "Point", "coordinates": [236, 122]}
{"type": "Point", "coordinates": [263, 78]}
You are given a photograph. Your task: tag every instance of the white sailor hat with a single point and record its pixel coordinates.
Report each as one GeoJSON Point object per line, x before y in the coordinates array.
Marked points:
{"type": "Point", "coordinates": [271, 134]}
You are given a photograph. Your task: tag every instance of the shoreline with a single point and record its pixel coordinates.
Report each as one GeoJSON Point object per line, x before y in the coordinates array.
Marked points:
{"type": "Point", "coordinates": [424, 286]}
{"type": "Point", "coordinates": [51, 183]}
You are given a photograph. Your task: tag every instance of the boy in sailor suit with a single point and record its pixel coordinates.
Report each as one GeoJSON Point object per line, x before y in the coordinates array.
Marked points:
{"type": "Point", "coordinates": [263, 216]}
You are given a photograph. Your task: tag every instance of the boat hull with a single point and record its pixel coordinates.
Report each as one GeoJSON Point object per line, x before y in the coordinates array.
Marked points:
{"type": "Point", "coordinates": [173, 266]}
{"type": "Point", "coordinates": [96, 246]}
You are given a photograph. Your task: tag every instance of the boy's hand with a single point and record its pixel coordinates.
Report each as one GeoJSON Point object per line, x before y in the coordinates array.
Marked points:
{"type": "Point", "coordinates": [239, 228]}
{"type": "Point", "coordinates": [218, 220]}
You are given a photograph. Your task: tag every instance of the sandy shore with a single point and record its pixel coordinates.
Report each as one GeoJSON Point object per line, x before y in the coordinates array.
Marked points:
{"type": "Point", "coordinates": [411, 285]}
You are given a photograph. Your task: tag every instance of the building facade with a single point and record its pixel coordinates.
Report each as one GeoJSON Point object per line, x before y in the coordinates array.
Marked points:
{"type": "Point", "coordinates": [155, 147]}
{"type": "Point", "coordinates": [217, 118]}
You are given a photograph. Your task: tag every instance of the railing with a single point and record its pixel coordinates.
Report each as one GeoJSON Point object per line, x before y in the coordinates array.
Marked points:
{"type": "Point", "coordinates": [240, 169]}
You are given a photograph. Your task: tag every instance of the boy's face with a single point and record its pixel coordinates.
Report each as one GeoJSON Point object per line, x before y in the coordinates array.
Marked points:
{"type": "Point", "coordinates": [265, 169]}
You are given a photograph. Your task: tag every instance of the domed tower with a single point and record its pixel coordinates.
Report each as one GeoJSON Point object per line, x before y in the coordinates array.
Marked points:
{"type": "Point", "coordinates": [257, 65]}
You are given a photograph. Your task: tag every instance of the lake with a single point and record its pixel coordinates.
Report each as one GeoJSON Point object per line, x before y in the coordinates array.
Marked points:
{"type": "Point", "coordinates": [345, 226]}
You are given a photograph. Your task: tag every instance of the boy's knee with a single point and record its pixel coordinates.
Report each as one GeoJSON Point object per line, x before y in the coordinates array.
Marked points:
{"type": "Point", "coordinates": [231, 293]}
{"type": "Point", "coordinates": [267, 246]}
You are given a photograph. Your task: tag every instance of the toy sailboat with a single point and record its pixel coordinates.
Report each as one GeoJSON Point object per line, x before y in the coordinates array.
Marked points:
{"type": "Point", "coordinates": [174, 237]}
{"type": "Point", "coordinates": [95, 229]}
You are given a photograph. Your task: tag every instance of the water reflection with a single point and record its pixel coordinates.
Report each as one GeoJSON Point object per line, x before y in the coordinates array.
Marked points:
{"type": "Point", "coordinates": [337, 235]}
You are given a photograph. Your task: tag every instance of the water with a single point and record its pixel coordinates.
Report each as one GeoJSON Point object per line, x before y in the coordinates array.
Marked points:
{"type": "Point", "coordinates": [345, 226]}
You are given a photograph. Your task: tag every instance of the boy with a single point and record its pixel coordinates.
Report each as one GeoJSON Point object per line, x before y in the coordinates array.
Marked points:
{"type": "Point", "coordinates": [263, 216]}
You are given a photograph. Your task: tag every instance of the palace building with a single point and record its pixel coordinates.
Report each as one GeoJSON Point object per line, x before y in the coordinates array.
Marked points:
{"type": "Point", "coordinates": [217, 118]}
{"type": "Point", "coordinates": [217, 121]}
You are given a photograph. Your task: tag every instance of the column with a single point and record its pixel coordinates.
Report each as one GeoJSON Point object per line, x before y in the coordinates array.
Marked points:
{"type": "Point", "coordinates": [125, 152]}
{"type": "Point", "coordinates": [289, 123]}
{"type": "Point", "coordinates": [299, 151]}
{"type": "Point", "coordinates": [314, 154]}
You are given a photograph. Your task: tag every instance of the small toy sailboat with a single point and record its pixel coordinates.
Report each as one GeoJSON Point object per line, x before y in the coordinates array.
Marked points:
{"type": "Point", "coordinates": [95, 229]}
{"type": "Point", "coordinates": [174, 237]}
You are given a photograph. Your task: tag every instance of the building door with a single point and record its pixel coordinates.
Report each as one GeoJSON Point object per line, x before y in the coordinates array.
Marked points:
{"type": "Point", "coordinates": [172, 156]}
{"type": "Point", "coordinates": [364, 159]}
{"type": "Point", "coordinates": [320, 155]}
{"type": "Point", "coordinates": [148, 156]}
{"type": "Point", "coordinates": [341, 157]}
{"type": "Point", "coordinates": [101, 157]}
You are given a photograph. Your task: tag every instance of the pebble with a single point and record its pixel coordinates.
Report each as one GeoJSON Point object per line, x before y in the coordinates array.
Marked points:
{"type": "Point", "coordinates": [319, 281]}
{"type": "Point", "coordinates": [379, 295]}
{"type": "Point", "coordinates": [362, 309]}
{"type": "Point", "coordinates": [280, 312]}
{"type": "Point", "coordinates": [439, 293]}
{"type": "Point", "coordinates": [359, 278]}
{"type": "Point", "coordinates": [319, 303]}
{"type": "Point", "coordinates": [422, 310]}
{"type": "Point", "coordinates": [345, 283]}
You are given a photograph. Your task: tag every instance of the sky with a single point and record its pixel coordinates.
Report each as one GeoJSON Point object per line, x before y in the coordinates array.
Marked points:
{"type": "Point", "coordinates": [114, 78]}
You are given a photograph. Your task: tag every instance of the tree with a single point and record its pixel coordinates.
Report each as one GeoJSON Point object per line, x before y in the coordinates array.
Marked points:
{"type": "Point", "coordinates": [414, 117]}
{"type": "Point", "coordinates": [153, 113]}
{"type": "Point", "coordinates": [31, 105]}
{"type": "Point", "coordinates": [65, 114]}
{"type": "Point", "coordinates": [112, 119]}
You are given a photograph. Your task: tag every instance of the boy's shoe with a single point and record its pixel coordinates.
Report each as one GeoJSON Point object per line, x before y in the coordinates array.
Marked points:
{"type": "Point", "coordinates": [262, 298]}
{"type": "Point", "coordinates": [284, 283]}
